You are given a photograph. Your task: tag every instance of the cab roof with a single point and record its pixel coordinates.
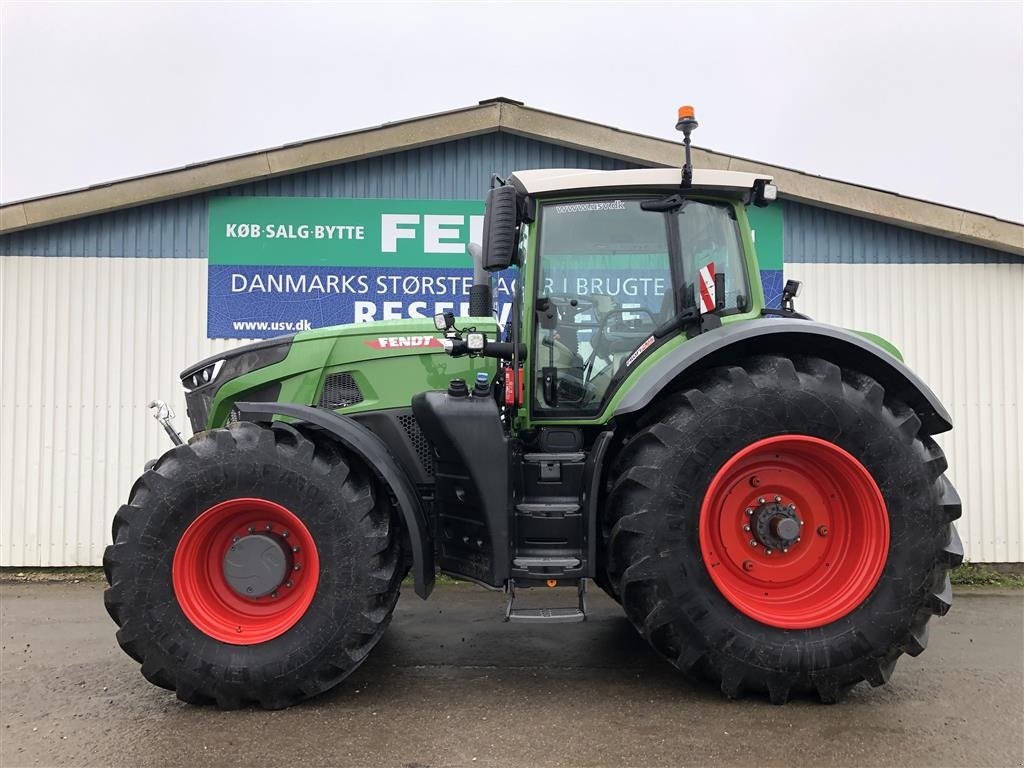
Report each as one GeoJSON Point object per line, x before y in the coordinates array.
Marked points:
{"type": "Point", "coordinates": [583, 180]}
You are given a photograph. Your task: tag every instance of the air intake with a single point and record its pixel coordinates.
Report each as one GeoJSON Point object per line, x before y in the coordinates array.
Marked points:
{"type": "Point", "coordinates": [419, 442]}
{"type": "Point", "coordinates": [340, 391]}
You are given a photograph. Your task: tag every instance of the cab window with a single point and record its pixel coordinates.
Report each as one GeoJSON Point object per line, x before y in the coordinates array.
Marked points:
{"type": "Point", "coordinates": [709, 240]}
{"type": "Point", "coordinates": [604, 283]}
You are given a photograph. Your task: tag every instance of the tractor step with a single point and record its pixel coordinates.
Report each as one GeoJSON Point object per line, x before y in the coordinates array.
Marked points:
{"type": "Point", "coordinates": [548, 508]}
{"type": "Point", "coordinates": [548, 615]}
{"type": "Point", "coordinates": [549, 532]}
{"type": "Point", "coordinates": [546, 562]}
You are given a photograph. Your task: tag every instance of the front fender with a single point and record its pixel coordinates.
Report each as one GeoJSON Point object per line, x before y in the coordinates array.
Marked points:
{"type": "Point", "coordinates": [372, 450]}
{"type": "Point", "coordinates": [838, 345]}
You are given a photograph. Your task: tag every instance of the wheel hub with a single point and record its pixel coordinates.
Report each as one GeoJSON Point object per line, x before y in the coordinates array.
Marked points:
{"type": "Point", "coordinates": [776, 525]}
{"type": "Point", "coordinates": [256, 564]}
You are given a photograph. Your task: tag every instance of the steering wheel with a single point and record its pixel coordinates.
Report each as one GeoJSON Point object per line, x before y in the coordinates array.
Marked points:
{"type": "Point", "coordinates": [571, 304]}
{"type": "Point", "coordinates": [621, 331]}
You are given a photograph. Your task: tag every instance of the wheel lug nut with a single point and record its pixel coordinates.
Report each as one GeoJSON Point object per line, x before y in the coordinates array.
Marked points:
{"type": "Point", "coordinates": [252, 529]}
{"type": "Point", "coordinates": [295, 549]}
{"type": "Point", "coordinates": [753, 542]}
{"type": "Point", "coordinates": [785, 550]}
{"type": "Point", "coordinates": [270, 527]}
{"type": "Point", "coordinates": [767, 551]}
{"type": "Point", "coordinates": [748, 565]}
{"type": "Point", "coordinates": [778, 499]}
{"type": "Point", "coordinates": [801, 522]}
{"type": "Point", "coordinates": [284, 534]}
{"type": "Point", "coordinates": [288, 584]}
{"type": "Point", "coordinates": [760, 499]}
{"type": "Point", "coordinates": [823, 530]}
{"type": "Point", "coordinates": [750, 511]}
{"type": "Point", "coordinates": [274, 594]}
{"type": "Point", "coordinates": [746, 527]}
{"type": "Point", "coordinates": [297, 567]}
{"type": "Point", "coordinates": [234, 539]}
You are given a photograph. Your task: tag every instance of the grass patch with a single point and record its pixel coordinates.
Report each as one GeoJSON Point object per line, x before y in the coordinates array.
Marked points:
{"type": "Point", "coordinates": [71, 574]}
{"type": "Point", "coordinates": [974, 575]}
{"type": "Point", "coordinates": [967, 575]}
{"type": "Point", "coordinates": [439, 581]}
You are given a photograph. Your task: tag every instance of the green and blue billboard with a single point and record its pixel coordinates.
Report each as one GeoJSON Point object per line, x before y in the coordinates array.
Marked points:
{"type": "Point", "coordinates": [279, 265]}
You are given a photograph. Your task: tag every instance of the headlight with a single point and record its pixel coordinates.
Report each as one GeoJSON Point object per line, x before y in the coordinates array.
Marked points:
{"type": "Point", "coordinates": [202, 376]}
{"type": "Point", "coordinates": [210, 374]}
{"type": "Point", "coordinates": [475, 342]}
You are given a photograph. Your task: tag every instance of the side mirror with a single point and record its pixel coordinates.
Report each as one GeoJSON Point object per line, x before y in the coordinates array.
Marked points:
{"type": "Point", "coordinates": [500, 222]}
{"type": "Point", "coordinates": [790, 292]}
{"type": "Point", "coordinates": [764, 192]}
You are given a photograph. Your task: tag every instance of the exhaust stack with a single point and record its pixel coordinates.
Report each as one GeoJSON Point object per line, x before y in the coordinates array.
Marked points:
{"type": "Point", "coordinates": [480, 293]}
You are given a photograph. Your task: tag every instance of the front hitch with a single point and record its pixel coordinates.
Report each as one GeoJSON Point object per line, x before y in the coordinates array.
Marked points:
{"type": "Point", "coordinates": [163, 414]}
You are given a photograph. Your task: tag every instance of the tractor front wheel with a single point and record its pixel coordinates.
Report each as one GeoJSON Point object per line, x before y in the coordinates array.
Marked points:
{"type": "Point", "coordinates": [782, 526]}
{"type": "Point", "coordinates": [253, 565]}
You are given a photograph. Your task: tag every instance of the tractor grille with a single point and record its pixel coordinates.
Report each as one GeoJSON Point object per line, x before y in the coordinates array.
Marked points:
{"type": "Point", "coordinates": [419, 442]}
{"type": "Point", "coordinates": [268, 393]}
{"type": "Point", "coordinates": [340, 391]}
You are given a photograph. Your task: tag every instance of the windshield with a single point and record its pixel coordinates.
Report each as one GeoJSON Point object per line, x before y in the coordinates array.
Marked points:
{"type": "Point", "coordinates": [607, 272]}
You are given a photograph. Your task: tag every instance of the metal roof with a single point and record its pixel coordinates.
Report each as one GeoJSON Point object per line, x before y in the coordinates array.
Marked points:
{"type": "Point", "coordinates": [506, 115]}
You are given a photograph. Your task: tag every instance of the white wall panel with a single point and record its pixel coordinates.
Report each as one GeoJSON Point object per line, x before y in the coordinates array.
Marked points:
{"type": "Point", "coordinates": [86, 342]}
{"type": "Point", "coordinates": [959, 326]}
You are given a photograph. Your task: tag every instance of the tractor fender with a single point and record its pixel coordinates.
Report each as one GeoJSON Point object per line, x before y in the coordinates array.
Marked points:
{"type": "Point", "coordinates": [372, 450]}
{"type": "Point", "coordinates": [785, 335]}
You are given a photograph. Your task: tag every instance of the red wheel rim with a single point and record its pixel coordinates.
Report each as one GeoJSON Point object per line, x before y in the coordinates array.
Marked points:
{"type": "Point", "coordinates": [843, 534]}
{"type": "Point", "coordinates": [209, 601]}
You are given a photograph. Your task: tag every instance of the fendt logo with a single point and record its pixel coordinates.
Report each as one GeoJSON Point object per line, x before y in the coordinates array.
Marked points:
{"type": "Point", "coordinates": [405, 342]}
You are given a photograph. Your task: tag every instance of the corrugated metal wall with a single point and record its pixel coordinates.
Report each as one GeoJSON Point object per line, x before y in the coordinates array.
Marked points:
{"type": "Point", "coordinates": [944, 304]}
{"type": "Point", "coordinates": [457, 170]}
{"type": "Point", "coordinates": [100, 314]}
{"type": "Point", "coordinates": [819, 235]}
{"type": "Point", "coordinates": [89, 336]}
{"type": "Point", "coordinates": [86, 343]}
{"type": "Point", "coordinates": [952, 325]}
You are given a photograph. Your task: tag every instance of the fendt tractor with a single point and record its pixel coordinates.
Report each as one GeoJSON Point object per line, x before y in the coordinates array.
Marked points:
{"type": "Point", "coordinates": [759, 491]}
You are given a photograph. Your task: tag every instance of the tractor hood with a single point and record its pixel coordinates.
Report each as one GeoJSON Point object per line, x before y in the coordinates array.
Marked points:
{"type": "Point", "coordinates": [378, 365]}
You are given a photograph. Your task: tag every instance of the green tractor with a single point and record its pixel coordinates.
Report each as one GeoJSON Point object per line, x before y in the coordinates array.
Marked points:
{"type": "Point", "coordinates": [759, 491]}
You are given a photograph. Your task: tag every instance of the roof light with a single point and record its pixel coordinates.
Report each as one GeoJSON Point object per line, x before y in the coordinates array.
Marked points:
{"type": "Point", "coordinates": [686, 123]}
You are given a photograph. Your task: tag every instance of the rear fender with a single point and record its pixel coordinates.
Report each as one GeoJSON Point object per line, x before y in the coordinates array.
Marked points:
{"type": "Point", "coordinates": [372, 450]}
{"type": "Point", "coordinates": [738, 340]}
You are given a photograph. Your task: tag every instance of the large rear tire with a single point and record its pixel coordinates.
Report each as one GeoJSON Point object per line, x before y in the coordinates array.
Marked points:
{"type": "Point", "coordinates": [179, 575]}
{"type": "Point", "coordinates": [782, 526]}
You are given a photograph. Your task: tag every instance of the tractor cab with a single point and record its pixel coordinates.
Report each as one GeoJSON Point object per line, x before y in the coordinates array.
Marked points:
{"type": "Point", "coordinates": [611, 267]}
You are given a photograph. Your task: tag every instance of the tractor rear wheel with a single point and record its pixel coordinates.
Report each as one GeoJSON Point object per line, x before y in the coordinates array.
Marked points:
{"type": "Point", "coordinates": [782, 526]}
{"type": "Point", "coordinates": [253, 565]}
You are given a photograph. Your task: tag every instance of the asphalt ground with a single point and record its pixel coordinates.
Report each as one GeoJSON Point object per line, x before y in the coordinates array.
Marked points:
{"type": "Point", "coordinates": [451, 684]}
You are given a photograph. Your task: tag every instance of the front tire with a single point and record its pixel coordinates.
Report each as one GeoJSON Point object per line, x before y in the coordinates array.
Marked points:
{"type": "Point", "coordinates": [782, 526]}
{"type": "Point", "coordinates": [274, 627]}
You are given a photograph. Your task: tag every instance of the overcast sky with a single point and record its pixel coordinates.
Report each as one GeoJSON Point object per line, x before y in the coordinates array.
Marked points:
{"type": "Point", "coordinates": [925, 99]}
